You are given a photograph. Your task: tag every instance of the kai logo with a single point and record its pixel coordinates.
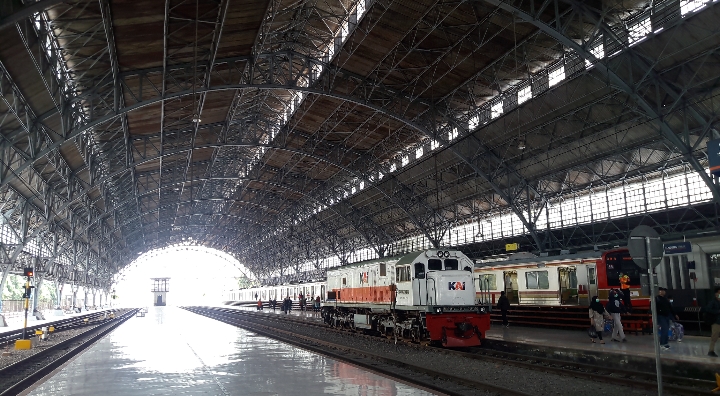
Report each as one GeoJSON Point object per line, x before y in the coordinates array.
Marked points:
{"type": "Point", "coordinates": [456, 286]}
{"type": "Point", "coordinates": [363, 277]}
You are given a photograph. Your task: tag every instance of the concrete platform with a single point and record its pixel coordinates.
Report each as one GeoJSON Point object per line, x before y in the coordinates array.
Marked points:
{"type": "Point", "coordinates": [687, 358]}
{"type": "Point", "coordinates": [175, 352]}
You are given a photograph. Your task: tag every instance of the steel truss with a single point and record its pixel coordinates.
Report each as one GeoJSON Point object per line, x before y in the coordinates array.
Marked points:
{"type": "Point", "coordinates": [304, 189]}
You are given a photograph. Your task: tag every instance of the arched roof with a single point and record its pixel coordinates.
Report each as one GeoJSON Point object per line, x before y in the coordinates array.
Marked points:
{"type": "Point", "coordinates": [284, 131]}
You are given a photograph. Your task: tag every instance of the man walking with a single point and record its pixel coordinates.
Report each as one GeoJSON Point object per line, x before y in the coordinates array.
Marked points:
{"type": "Point", "coordinates": [713, 308]}
{"type": "Point", "coordinates": [616, 307]}
{"type": "Point", "coordinates": [665, 314]}
{"type": "Point", "coordinates": [504, 305]}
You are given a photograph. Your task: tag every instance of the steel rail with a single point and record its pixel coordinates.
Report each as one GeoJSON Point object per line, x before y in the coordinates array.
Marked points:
{"type": "Point", "coordinates": [632, 378]}
{"type": "Point", "coordinates": [369, 360]}
{"type": "Point", "coordinates": [38, 374]}
{"type": "Point", "coordinates": [63, 324]}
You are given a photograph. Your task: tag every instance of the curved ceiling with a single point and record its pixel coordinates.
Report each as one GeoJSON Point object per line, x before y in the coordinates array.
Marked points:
{"type": "Point", "coordinates": [285, 131]}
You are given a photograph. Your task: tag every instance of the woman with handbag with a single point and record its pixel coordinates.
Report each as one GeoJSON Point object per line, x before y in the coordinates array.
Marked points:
{"type": "Point", "coordinates": [597, 317]}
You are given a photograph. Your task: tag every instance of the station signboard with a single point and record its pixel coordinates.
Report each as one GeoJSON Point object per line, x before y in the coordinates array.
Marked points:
{"type": "Point", "coordinates": [677, 247]}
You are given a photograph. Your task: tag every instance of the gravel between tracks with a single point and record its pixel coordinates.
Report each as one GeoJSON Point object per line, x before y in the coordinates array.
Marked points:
{"type": "Point", "coordinates": [9, 355]}
{"type": "Point", "coordinates": [538, 382]}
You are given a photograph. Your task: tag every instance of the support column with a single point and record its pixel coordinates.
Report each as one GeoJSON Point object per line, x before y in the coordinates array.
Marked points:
{"type": "Point", "coordinates": [74, 289]}
{"type": "Point", "coordinates": [36, 295]}
{"type": "Point", "coordinates": [58, 293]}
{"type": "Point", "coordinates": [5, 273]}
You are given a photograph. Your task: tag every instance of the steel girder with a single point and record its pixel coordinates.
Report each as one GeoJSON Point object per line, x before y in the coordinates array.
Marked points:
{"type": "Point", "coordinates": [572, 31]}
{"type": "Point", "coordinates": [506, 171]}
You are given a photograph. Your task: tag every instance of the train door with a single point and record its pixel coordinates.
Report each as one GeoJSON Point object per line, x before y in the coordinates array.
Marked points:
{"type": "Point", "coordinates": [420, 285]}
{"type": "Point", "coordinates": [322, 292]}
{"type": "Point", "coordinates": [592, 282]}
{"type": "Point", "coordinates": [511, 286]}
{"type": "Point", "coordinates": [567, 277]}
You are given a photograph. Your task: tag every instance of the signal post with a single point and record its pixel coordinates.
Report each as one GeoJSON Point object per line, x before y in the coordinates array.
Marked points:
{"type": "Point", "coordinates": [25, 342]}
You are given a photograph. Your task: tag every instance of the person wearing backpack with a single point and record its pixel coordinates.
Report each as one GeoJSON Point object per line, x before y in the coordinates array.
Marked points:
{"type": "Point", "coordinates": [713, 308]}
{"type": "Point", "coordinates": [616, 307]}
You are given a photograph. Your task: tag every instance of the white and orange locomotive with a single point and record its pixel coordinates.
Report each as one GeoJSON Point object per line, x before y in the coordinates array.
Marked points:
{"type": "Point", "coordinates": [423, 296]}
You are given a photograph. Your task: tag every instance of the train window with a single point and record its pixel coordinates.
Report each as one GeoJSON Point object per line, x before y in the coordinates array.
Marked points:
{"type": "Point", "coordinates": [402, 274]}
{"type": "Point", "coordinates": [451, 264]}
{"type": "Point", "coordinates": [383, 269]}
{"type": "Point", "coordinates": [621, 262]}
{"type": "Point", "coordinates": [434, 265]}
{"type": "Point", "coordinates": [488, 281]}
{"type": "Point", "coordinates": [537, 280]}
{"type": "Point", "coordinates": [344, 281]}
{"type": "Point", "coordinates": [591, 275]}
{"type": "Point", "coordinates": [419, 270]}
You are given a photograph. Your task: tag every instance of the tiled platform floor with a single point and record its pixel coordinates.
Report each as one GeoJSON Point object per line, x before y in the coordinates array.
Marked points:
{"type": "Point", "coordinates": [174, 352]}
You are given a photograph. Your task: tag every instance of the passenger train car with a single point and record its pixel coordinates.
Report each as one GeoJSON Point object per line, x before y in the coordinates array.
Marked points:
{"type": "Point", "coordinates": [565, 280]}
{"type": "Point", "coordinates": [574, 279]}
{"type": "Point", "coordinates": [266, 293]}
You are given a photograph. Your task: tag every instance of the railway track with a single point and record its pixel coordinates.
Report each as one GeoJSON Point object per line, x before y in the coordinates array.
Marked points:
{"type": "Point", "coordinates": [420, 376]}
{"type": "Point", "coordinates": [631, 378]}
{"type": "Point", "coordinates": [18, 376]}
{"type": "Point", "coordinates": [8, 337]}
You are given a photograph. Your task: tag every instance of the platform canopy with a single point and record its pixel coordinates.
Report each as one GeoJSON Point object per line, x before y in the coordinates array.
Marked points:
{"type": "Point", "coordinates": [285, 132]}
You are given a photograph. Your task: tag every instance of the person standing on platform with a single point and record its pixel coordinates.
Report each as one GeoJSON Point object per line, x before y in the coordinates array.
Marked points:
{"type": "Point", "coordinates": [503, 305]}
{"type": "Point", "coordinates": [259, 305]}
{"type": "Point", "coordinates": [273, 303]}
{"type": "Point", "coordinates": [287, 304]}
{"type": "Point", "coordinates": [317, 304]}
{"type": "Point", "coordinates": [713, 308]}
{"type": "Point", "coordinates": [665, 314]}
{"type": "Point", "coordinates": [615, 307]}
{"type": "Point", "coordinates": [597, 317]}
{"type": "Point", "coordinates": [625, 287]}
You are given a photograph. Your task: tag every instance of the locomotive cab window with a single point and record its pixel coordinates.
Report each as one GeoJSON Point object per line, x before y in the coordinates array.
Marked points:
{"type": "Point", "coordinates": [344, 283]}
{"type": "Point", "coordinates": [451, 264]}
{"type": "Point", "coordinates": [434, 265]}
{"type": "Point", "coordinates": [419, 270]}
{"type": "Point", "coordinates": [537, 280]}
{"type": "Point", "coordinates": [383, 269]}
{"type": "Point", "coordinates": [621, 263]}
{"type": "Point", "coordinates": [402, 274]}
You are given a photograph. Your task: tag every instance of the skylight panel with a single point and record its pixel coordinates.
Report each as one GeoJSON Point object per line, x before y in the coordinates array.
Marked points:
{"type": "Point", "coordinates": [393, 167]}
{"type": "Point", "coordinates": [639, 30]}
{"type": "Point", "coordinates": [405, 160]}
{"type": "Point", "coordinates": [360, 9]}
{"type": "Point", "coordinates": [688, 6]}
{"type": "Point", "coordinates": [496, 110]}
{"type": "Point", "coordinates": [419, 152]}
{"type": "Point", "coordinates": [474, 122]}
{"type": "Point", "coordinates": [524, 94]}
{"type": "Point", "coordinates": [434, 144]}
{"type": "Point", "coordinates": [598, 51]}
{"type": "Point", "coordinates": [453, 134]}
{"type": "Point", "coordinates": [556, 75]}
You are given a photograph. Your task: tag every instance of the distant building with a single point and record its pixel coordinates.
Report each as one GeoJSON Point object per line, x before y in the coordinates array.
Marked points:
{"type": "Point", "coordinates": [160, 288]}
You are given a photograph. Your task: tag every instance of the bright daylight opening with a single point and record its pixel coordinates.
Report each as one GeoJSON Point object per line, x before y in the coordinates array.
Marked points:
{"type": "Point", "coordinates": [198, 276]}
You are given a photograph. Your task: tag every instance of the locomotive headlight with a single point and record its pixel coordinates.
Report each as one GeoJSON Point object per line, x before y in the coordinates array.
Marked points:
{"type": "Point", "coordinates": [438, 309]}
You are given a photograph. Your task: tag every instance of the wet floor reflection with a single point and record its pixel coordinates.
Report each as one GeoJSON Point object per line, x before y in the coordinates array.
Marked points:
{"type": "Point", "coordinates": [172, 351]}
